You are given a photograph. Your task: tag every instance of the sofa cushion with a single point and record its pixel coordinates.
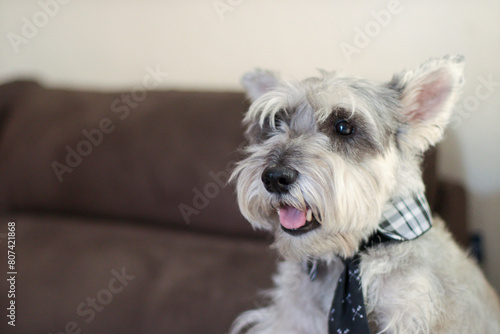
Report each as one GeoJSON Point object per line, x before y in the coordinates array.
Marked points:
{"type": "Point", "coordinates": [164, 158]}
{"type": "Point", "coordinates": [112, 277]}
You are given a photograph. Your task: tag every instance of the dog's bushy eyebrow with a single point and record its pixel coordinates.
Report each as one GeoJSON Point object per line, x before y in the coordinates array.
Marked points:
{"type": "Point", "coordinates": [283, 97]}
{"type": "Point", "coordinates": [266, 107]}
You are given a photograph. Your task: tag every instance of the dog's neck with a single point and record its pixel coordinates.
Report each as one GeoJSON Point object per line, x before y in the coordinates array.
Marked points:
{"type": "Point", "coordinates": [403, 219]}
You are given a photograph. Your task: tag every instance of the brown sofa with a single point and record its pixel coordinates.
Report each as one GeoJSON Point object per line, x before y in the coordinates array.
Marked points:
{"type": "Point", "coordinates": [124, 222]}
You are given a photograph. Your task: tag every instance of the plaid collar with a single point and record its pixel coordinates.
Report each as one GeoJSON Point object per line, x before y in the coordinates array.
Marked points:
{"type": "Point", "coordinates": [406, 218]}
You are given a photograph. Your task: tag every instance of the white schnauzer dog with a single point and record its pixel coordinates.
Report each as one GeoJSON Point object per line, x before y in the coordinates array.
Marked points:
{"type": "Point", "coordinates": [333, 169]}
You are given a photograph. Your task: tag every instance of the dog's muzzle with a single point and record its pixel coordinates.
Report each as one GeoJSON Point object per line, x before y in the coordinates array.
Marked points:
{"type": "Point", "coordinates": [277, 180]}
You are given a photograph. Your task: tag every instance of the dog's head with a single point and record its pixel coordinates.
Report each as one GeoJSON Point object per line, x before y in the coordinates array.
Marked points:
{"type": "Point", "coordinates": [326, 154]}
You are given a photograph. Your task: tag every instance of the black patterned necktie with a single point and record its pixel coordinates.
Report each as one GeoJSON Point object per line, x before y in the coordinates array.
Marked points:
{"type": "Point", "coordinates": [348, 314]}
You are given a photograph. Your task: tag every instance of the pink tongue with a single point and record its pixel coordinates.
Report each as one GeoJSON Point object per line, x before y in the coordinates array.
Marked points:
{"type": "Point", "coordinates": [292, 218]}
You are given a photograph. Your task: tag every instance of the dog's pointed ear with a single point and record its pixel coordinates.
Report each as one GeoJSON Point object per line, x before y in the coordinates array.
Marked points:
{"type": "Point", "coordinates": [258, 83]}
{"type": "Point", "coordinates": [427, 97]}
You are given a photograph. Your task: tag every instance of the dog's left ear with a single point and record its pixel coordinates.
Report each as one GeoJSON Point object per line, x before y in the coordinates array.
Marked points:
{"type": "Point", "coordinates": [258, 83]}
{"type": "Point", "coordinates": [427, 97]}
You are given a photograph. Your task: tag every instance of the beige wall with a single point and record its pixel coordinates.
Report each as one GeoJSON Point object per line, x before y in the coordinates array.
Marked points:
{"type": "Point", "coordinates": [108, 44]}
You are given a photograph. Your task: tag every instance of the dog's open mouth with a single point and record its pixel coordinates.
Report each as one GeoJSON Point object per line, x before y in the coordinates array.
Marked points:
{"type": "Point", "coordinates": [296, 222]}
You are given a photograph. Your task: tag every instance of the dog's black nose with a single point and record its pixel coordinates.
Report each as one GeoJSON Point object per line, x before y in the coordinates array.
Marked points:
{"type": "Point", "coordinates": [277, 179]}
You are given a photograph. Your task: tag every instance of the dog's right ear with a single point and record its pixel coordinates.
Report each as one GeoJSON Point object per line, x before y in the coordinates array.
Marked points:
{"type": "Point", "coordinates": [259, 82]}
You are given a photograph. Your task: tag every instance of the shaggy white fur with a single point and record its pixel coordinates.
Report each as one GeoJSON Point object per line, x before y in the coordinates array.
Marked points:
{"type": "Point", "coordinates": [428, 285]}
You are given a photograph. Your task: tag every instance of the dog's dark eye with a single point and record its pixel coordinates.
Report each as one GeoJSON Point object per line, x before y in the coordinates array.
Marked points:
{"type": "Point", "coordinates": [278, 118]}
{"type": "Point", "coordinates": [344, 128]}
